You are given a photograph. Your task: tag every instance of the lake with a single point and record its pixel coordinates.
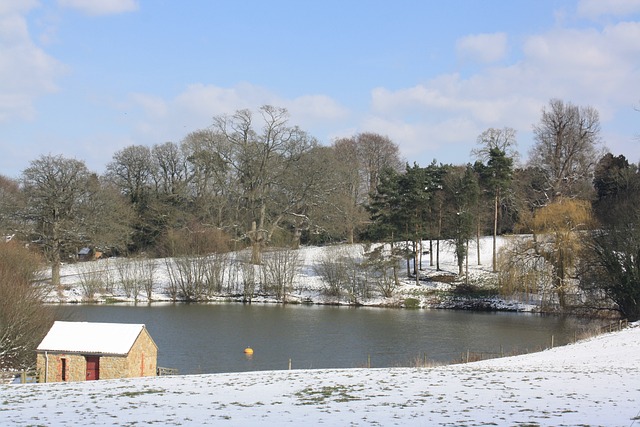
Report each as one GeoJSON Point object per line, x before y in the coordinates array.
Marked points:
{"type": "Point", "coordinates": [209, 338]}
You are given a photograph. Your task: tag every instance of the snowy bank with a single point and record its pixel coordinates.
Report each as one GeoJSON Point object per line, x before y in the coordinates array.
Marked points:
{"type": "Point", "coordinates": [595, 382]}
{"type": "Point", "coordinates": [308, 286]}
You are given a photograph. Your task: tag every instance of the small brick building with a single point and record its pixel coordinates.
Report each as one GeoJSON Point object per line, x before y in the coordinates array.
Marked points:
{"type": "Point", "coordinates": [80, 351]}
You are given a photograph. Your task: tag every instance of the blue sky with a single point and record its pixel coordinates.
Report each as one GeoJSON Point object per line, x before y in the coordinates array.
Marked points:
{"type": "Point", "coordinates": [86, 78]}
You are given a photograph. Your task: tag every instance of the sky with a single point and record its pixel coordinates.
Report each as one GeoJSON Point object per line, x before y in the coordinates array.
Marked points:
{"type": "Point", "coordinates": [85, 78]}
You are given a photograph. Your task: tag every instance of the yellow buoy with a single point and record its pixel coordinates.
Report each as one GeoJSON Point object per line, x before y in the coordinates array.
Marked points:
{"type": "Point", "coordinates": [248, 350]}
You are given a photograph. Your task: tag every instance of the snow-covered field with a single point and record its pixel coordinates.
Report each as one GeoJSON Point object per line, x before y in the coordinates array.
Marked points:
{"type": "Point", "coordinates": [591, 383]}
{"type": "Point", "coordinates": [308, 285]}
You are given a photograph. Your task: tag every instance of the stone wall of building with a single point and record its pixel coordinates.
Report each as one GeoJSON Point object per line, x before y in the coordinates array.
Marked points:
{"type": "Point", "coordinates": [76, 367]}
{"type": "Point", "coordinates": [140, 362]}
{"type": "Point", "coordinates": [143, 357]}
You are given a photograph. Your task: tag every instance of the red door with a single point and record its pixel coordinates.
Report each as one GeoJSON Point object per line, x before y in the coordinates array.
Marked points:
{"type": "Point", "coordinates": [93, 368]}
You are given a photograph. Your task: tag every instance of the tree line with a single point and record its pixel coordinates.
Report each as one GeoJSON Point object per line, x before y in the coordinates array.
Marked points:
{"type": "Point", "coordinates": [252, 179]}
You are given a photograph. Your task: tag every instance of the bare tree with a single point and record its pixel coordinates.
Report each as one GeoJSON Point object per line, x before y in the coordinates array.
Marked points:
{"type": "Point", "coordinates": [24, 318]}
{"type": "Point", "coordinates": [210, 181]}
{"type": "Point", "coordinates": [217, 273]}
{"type": "Point", "coordinates": [189, 275]}
{"type": "Point", "coordinates": [147, 272]}
{"type": "Point", "coordinates": [333, 270]}
{"type": "Point", "coordinates": [91, 280]}
{"type": "Point", "coordinates": [131, 170]}
{"type": "Point", "coordinates": [377, 152]}
{"type": "Point", "coordinates": [566, 149]}
{"type": "Point", "coordinates": [279, 268]}
{"type": "Point", "coordinates": [260, 159]}
{"type": "Point", "coordinates": [382, 264]}
{"type": "Point", "coordinates": [170, 171]}
{"type": "Point", "coordinates": [304, 195]}
{"type": "Point", "coordinates": [130, 276]}
{"type": "Point", "coordinates": [248, 276]}
{"type": "Point", "coordinates": [503, 139]}
{"type": "Point", "coordinates": [10, 203]}
{"type": "Point", "coordinates": [56, 208]}
{"type": "Point", "coordinates": [357, 166]}
{"type": "Point", "coordinates": [109, 216]}
{"type": "Point", "coordinates": [350, 194]}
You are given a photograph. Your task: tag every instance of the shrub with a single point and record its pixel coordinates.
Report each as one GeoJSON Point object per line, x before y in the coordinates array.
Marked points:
{"type": "Point", "coordinates": [411, 303]}
{"type": "Point", "coordinates": [24, 319]}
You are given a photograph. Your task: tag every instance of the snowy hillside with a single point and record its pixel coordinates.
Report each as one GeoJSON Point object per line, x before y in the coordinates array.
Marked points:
{"type": "Point", "coordinates": [594, 382]}
{"type": "Point", "coordinates": [308, 285]}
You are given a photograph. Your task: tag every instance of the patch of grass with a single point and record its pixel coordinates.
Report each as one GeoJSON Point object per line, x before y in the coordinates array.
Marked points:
{"type": "Point", "coordinates": [474, 291]}
{"type": "Point", "coordinates": [311, 396]}
{"type": "Point", "coordinates": [443, 278]}
{"type": "Point", "coordinates": [411, 303]}
{"type": "Point", "coordinates": [141, 392]}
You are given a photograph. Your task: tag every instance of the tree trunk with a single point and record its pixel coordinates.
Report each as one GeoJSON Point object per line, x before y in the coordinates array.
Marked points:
{"type": "Point", "coordinates": [350, 234]}
{"type": "Point", "coordinates": [297, 234]}
{"type": "Point", "coordinates": [478, 241]}
{"type": "Point", "coordinates": [438, 239]}
{"type": "Point", "coordinates": [55, 272]}
{"type": "Point", "coordinates": [415, 262]}
{"type": "Point", "coordinates": [430, 252]}
{"type": "Point", "coordinates": [256, 252]}
{"type": "Point", "coordinates": [495, 233]}
{"type": "Point", "coordinates": [466, 265]}
{"type": "Point", "coordinates": [55, 255]}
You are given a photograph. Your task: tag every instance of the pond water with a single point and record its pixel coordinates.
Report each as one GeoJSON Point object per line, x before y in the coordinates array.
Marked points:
{"type": "Point", "coordinates": [208, 338]}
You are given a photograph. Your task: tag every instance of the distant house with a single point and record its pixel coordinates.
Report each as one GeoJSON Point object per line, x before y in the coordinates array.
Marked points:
{"type": "Point", "coordinates": [79, 351]}
{"type": "Point", "coordinates": [85, 254]}
{"type": "Point", "coordinates": [88, 254]}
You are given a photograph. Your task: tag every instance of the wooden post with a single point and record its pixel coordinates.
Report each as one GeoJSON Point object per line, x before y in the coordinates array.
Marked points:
{"type": "Point", "coordinates": [552, 341]}
{"type": "Point", "coordinates": [368, 361]}
{"type": "Point", "coordinates": [289, 363]}
{"type": "Point", "coordinates": [467, 356]}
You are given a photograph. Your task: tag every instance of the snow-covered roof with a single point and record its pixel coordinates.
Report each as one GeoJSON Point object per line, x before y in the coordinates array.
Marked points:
{"type": "Point", "coordinates": [91, 337]}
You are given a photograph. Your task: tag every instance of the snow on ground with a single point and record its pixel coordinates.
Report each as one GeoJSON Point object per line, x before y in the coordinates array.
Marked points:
{"type": "Point", "coordinates": [591, 383]}
{"type": "Point", "coordinates": [308, 284]}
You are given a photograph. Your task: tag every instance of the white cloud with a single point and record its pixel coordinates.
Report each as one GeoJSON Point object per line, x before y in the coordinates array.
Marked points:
{"type": "Point", "coordinates": [595, 67]}
{"type": "Point", "coordinates": [485, 48]}
{"type": "Point", "coordinates": [101, 7]}
{"type": "Point", "coordinates": [420, 139]}
{"type": "Point", "coordinates": [153, 106]}
{"type": "Point", "coordinates": [195, 107]}
{"type": "Point", "coordinates": [597, 8]}
{"type": "Point", "coordinates": [213, 100]}
{"type": "Point", "coordinates": [26, 71]}
{"type": "Point", "coordinates": [16, 6]}
{"type": "Point", "coordinates": [210, 100]}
